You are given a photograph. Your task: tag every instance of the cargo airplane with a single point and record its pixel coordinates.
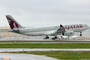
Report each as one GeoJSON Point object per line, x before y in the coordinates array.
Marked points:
{"type": "Point", "coordinates": [65, 30]}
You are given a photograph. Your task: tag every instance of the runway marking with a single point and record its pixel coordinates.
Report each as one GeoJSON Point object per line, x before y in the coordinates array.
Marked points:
{"type": "Point", "coordinates": [11, 50]}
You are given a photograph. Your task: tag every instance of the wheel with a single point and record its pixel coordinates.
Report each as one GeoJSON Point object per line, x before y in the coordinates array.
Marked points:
{"type": "Point", "coordinates": [63, 34]}
{"type": "Point", "coordinates": [46, 37]}
{"type": "Point", "coordinates": [80, 34]}
{"type": "Point", "coordinates": [53, 38]}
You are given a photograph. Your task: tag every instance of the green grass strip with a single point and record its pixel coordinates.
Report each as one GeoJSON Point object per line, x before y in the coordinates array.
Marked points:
{"type": "Point", "coordinates": [46, 41]}
{"type": "Point", "coordinates": [71, 45]}
{"type": "Point", "coordinates": [71, 55]}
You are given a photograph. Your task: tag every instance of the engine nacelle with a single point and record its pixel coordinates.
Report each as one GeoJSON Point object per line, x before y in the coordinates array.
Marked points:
{"type": "Point", "coordinates": [68, 33]}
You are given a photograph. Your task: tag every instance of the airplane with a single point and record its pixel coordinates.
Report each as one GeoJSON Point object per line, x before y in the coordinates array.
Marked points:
{"type": "Point", "coordinates": [64, 30]}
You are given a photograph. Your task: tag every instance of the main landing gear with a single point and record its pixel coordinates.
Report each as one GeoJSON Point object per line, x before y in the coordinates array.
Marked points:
{"type": "Point", "coordinates": [54, 38]}
{"type": "Point", "coordinates": [46, 37]}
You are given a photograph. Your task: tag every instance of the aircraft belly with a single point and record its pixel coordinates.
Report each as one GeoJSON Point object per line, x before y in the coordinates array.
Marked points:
{"type": "Point", "coordinates": [79, 30]}
{"type": "Point", "coordinates": [35, 33]}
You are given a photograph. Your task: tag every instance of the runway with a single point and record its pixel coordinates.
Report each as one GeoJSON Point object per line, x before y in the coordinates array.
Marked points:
{"type": "Point", "coordinates": [15, 50]}
{"type": "Point", "coordinates": [14, 56]}
{"type": "Point", "coordinates": [24, 57]}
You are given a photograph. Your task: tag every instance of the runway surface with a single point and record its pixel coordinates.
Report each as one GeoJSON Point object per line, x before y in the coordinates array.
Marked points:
{"type": "Point", "coordinates": [15, 50]}
{"type": "Point", "coordinates": [44, 39]}
{"type": "Point", "coordinates": [31, 56]}
{"type": "Point", "coordinates": [25, 57]}
{"type": "Point", "coordinates": [14, 56]}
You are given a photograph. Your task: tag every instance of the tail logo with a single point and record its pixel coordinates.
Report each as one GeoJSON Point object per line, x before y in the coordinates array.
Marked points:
{"type": "Point", "coordinates": [9, 21]}
{"type": "Point", "coordinates": [15, 25]}
{"type": "Point", "coordinates": [12, 23]}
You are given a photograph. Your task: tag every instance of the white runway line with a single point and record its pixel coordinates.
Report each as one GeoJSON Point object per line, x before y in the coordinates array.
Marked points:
{"type": "Point", "coordinates": [15, 50]}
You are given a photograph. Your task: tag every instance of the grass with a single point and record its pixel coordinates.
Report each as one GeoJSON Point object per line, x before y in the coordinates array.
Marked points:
{"type": "Point", "coordinates": [45, 41]}
{"type": "Point", "coordinates": [61, 45]}
{"type": "Point", "coordinates": [61, 54]}
{"type": "Point", "coordinates": [56, 54]}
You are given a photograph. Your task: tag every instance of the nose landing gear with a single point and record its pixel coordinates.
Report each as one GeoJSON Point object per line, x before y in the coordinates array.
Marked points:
{"type": "Point", "coordinates": [80, 33]}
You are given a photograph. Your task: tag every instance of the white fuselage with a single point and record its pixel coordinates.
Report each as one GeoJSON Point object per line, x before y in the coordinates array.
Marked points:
{"type": "Point", "coordinates": [49, 30]}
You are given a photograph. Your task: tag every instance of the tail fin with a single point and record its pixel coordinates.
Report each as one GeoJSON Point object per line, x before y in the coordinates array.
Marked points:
{"type": "Point", "coordinates": [12, 22]}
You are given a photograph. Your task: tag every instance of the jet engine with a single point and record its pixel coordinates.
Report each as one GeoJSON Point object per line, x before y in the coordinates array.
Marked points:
{"type": "Point", "coordinates": [68, 33]}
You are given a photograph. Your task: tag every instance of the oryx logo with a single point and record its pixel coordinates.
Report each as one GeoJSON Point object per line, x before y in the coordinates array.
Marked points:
{"type": "Point", "coordinates": [12, 23]}
{"type": "Point", "coordinates": [9, 21]}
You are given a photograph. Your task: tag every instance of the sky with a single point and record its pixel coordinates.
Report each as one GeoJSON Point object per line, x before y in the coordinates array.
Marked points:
{"type": "Point", "coordinates": [38, 13]}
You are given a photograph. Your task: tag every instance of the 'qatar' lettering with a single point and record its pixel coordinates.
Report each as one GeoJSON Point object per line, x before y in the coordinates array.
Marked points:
{"type": "Point", "coordinates": [73, 26]}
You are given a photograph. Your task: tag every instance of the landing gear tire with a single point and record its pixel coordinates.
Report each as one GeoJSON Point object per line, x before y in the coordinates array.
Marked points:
{"type": "Point", "coordinates": [46, 37]}
{"type": "Point", "coordinates": [80, 33]}
{"type": "Point", "coordinates": [54, 38]}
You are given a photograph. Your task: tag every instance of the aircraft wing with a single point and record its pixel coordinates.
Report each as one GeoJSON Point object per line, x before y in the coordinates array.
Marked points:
{"type": "Point", "coordinates": [61, 30]}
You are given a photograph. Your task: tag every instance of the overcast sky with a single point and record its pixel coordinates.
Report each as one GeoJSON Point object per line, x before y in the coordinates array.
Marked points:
{"type": "Point", "coordinates": [45, 12]}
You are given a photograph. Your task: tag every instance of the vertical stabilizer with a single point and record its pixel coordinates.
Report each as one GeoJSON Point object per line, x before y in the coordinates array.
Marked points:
{"type": "Point", "coordinates": [12, 22]}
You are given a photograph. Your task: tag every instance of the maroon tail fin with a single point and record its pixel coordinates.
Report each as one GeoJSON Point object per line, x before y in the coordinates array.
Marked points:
{"type": "Point", "coordinates": [12, 22]}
